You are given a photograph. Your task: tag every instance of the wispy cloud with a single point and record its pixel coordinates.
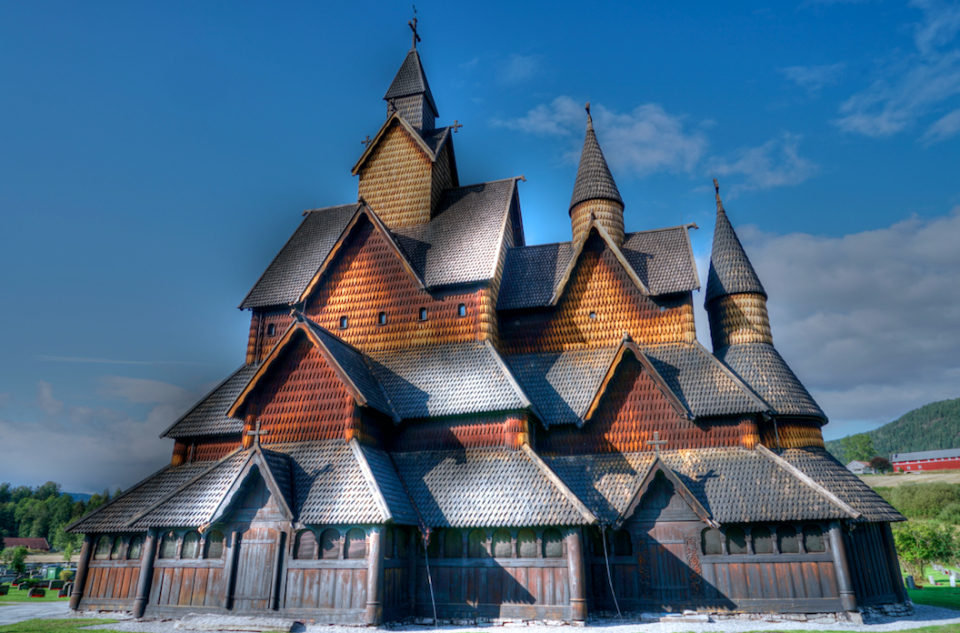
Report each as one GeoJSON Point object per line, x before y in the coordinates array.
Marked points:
{"type": "Point", "coordinates": [49, 405]}
{"type": "Point", "coordinates": [911, 85]}
{"type": "Point", "coordinates": [813, 78]}
{"type": "Point", "coordinates": [946, 127]}
{"type": "Point", "coordinates": [519, 68]}
{"type": "Point", "coordinates": [776, 163]}
{"type": "Point", "coordinates": [112, 361]}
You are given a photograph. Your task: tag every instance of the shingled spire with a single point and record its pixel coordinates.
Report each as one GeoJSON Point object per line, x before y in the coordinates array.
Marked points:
{"type": "Point", "coordinates": [595, 193]}
{"type": "Point", "coordinates": [736, 301]}
{"type": "Point", "coordinates": [410, 93]}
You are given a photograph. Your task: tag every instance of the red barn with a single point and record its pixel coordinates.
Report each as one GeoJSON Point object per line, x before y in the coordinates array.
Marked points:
{"type": "Point", "coordinates": [947, 459]}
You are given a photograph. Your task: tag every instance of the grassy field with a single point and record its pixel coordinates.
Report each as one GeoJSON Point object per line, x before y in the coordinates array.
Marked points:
{"type": "Point", "coordinates": [62, 626]}
{"type": "Point", "coordinates": [889, 481]}
{"type": "Point", "coordinates": [15, 595]}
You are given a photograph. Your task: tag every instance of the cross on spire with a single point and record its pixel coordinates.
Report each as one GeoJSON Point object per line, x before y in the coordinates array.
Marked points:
{"type": "Point", "coordinates": [413, 27]}
{"type": "Point", "coordinates": [716, 186]}
{"type": "Point", "coordinates": [456, 125]}
{"type": "Point", "coordinates": [656, 442]}
{"type": "Point", "coordinates": [366, 142]}
{"type": "Point", "coordinates": [256, 434]}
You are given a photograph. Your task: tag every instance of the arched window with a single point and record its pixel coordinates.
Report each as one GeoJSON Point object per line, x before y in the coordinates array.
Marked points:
{"type": "Point", "coordinates": [330, 544]}
{"type": "Point", "coordinates": [271, 330]}
{"type": "Point", "coordinates": [306, 545]}
{"type": "Point", "coordinates": [422, 314]}
{"type": "Point", "coordinates": [462, 310]}
{"type": "Point", "coordinates": [117, 551]}
{"type": "Point", "coordinates": [214, 545]}
{"type": "Point", "coordinates": [191, 545]}
{"type": "Point", "coordinates": [356, 544]}
{"type": "Point", "coordinates": [501, 543]}
{"type": "Point", "coordinates": [762, 541]}
{"type": "Point", "coordinates": [621, 543]}
{"type": "Point", "coordinates": [103, 548]}
{"type": "Point", "coordinates": [388, 542]}
{"type": "Point", "coordinates": [433, 546]}
{"type": "Point", "coordinates": [813, 539]}
{"type": "Point", "coordinates": [382, 318]}
{"type": "Point", "coordinates": [477, 544]}
{"type": "Point", "coordinates": [736, 540]}
{"type": "Point", "coordinates": [452, 544]}
{"type": "Point", "coordinates": [596, 541]}
{"type": "Point", "coordinates": [344, 322]}
{"type": "Point", "coordinates": [168, 545]}
{"type": "Point", "coordinates": [787, 540]}
{"type": "Point", "coordinates": [552, 543]}
{"type": "Point", "coordinates": [711, 542]}
{"type": "Point", "coordinates": [135, 549]}
{"type": "Point", "coordinates": [527, 544]}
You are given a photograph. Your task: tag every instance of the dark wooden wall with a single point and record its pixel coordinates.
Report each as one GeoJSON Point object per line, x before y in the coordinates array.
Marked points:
{"type": "Point", "coordinates": [874, 577]}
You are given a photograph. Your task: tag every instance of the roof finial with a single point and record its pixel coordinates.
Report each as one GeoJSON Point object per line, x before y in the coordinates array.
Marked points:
{"type": "Point", "coordinates": [413, 27]}
{"type": "Point", "coordinates": [589, 117]}
{"type": "Point", "coordinates": [716, 186]}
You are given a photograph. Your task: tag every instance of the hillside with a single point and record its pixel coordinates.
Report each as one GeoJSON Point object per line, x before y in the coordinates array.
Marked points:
{"type": "Point", "coordinates": [930, 427]}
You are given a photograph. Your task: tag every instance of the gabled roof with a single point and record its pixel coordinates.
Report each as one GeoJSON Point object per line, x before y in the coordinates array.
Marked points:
{"type": "Point", "coordinates": [430, 141]}
{"type": "Point", "coordinates": [411, 80]}
{"type": "Point", "coordinates": [346, 361]}
{"type": "Point", "coordinates": [448, 379]}
{"type": "Point", "coordinates": [484, 487]}
{"type": "Point", "coordinates": [209, 415]}
{"type": "Point", "coordinates": [662, 260]}
{"type": "Point", "coordinates": [730, 269]}
{"type": "Point", "coordinates": [643, 485]}
{"type": "Point", "coordinates": [594, 179]}
{"type": "Point", "coordinates": [761, 367]}
{"type": "Point", "coordinates": [300, 258]}
{"type": "Point", "coordinates": [921, 455]}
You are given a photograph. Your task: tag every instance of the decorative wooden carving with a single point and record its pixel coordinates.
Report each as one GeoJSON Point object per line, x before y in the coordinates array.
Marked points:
{"type": "Point", "coordinates": [692, 548]}
{"type": "Point", "coordinates": [643, 568]}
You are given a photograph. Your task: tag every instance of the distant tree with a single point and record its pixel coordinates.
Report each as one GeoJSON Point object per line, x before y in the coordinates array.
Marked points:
{"type": "Point", "coordinates": [881, 464]}
{"type": "Point", "coordinates": [919, 544]}
{"type": "Point", "coordinates": [921, 501]}
{"type": "Point", "coordinates": [14, 557]}
{"type": "Point", "coordinates": [5, 492]}
{"type": "Point", "coordinates": [1, 541]}
{"type": "Point", "coordinates": [858, 447]}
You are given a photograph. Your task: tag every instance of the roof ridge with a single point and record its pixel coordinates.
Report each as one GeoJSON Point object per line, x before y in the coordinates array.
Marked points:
{"type": "Point", "coordinates": [330, 208]}
{"type": "Point", "coordinates": [485, 182]}
{"type": "Point", "coordinates": [809, 481]}
{"type": "Point", "coordinates": [116, 498]}
{"type": "Point", "coordinates": [565, 491]}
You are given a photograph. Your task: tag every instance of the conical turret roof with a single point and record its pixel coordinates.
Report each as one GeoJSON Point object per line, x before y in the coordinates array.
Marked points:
{"type": "Point", "coordinates": [411, 80]}
{"type": "Point", "coordinates": [594, 179]}
{"type": "Point", "coordinates": [730, 269]}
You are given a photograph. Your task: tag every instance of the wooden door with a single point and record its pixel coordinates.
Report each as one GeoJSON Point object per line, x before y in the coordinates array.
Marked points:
{"type": "Point", "coordinates": [255, 569]}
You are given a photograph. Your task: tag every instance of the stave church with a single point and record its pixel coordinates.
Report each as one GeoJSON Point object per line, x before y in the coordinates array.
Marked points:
{"type": "Point", "coordinates": [437, 420]}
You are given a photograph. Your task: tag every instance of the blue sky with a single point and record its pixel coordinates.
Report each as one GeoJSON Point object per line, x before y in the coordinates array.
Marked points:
{"type": "Point", "coordinates": [157, 155]}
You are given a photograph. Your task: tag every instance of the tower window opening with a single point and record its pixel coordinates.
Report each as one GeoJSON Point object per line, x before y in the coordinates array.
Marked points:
{"type": "Point", "coordinates": [422, 314]}
{"type": "Point", "coordinates": [382, 318]}
{"type": "Point", "coordinates": [593, 315]}
{"type": "Point", "coordinates": [271, 330]}
{"type": "Point", "coordinates": [462, 310]}
{"type": "Point", "coordinates": [344, 323]}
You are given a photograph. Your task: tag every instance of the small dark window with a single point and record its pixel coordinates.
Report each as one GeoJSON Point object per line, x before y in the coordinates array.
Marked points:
{"type": "Point", "coordinates": [115, 553]}
{"type": "Point", "coordinates": [552, 543]}
{"type": "Point", "coordinates": [306, 545]}
{"type": "Point", "coordinates": [136, 547]}
{"type": "Point", "coordinates": [593, 315]}
{"type": "Point", "coordinates": [214, 545]}
{"type": "Point", "coordinates": [462, 310]}
{"type": "Point", "coordinates": [422, 314]}
{"type": "Point", "coordinates": [813, 539]}
{"type": "Point", "coordinates": [736, 541]}
{"type": "Point", "coordinates": [433, 547]}
{"type": "Point", "coordinates": [527, 544]}
{"type": "Point", "coordinates": [356, 544]}
{"type": "Point", "coordinates": [330, 544]}
{"type": "Point", "coordinates": [388, 542]}
{"type": "Point", "coordinates": [787, 540]}
{"type": "Point", "coordinates": [501, 543]}
{"type": "Point", "coordinates": [710, 540]}
{"type": "Point", "coordinates": [762, 541]}
{"type": "Point", "coordinates": [403, 538]}
{"type": "Point", "coordinates": [621, 543]}
{"type": "Point", "coordinates": [596, 542]}
{"type": "Point", "coordinates": [103, 548]}
{"type": "Point", "coordinates": [191, 545]}
{"type": "Point", "coordinates": [452, 544]}
{"type": "Point", "coordinates": [382, 318]}
{"type": "Point", "coordinates": [168, 546]}
{"type": "Point", "coordinates": [344, 323]}
{"type": "Point", "coordinates": [477, 544]}
{"type": "Point", "coordinates": [271, 330]}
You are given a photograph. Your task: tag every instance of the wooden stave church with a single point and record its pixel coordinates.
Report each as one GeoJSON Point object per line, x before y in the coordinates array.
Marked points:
{"type": "Point", "coordinates": [435, 419]}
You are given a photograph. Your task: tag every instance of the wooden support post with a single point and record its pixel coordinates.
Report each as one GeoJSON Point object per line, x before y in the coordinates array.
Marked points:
{"type": "Point", "coordinates": [412, 558]}
{"type": "Point", "coordinates": [578, 581]}
{"type": "Point", "coordinates": [848, 598]}
{"type": "Point", "coordinates": [893, 562]}
{"type": "Point", "coordinates": [230, 573]}
{"type": "Point", "coordinates": [148, 552]}
{"type": "Point", "coordinates": [374, 613]}
{"type": "Point", "coordinates": [78, 583]}
{"type": "Point", "coordinates": [275, 582]}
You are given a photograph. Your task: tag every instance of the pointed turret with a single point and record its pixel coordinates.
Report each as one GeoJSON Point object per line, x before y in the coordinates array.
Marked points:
{"type": "Point", "coordinates": [595, 193]}
{"type": "Point", "coordinates": [410, 93]}
{"type": "Point", "coordinates": [736, 301]}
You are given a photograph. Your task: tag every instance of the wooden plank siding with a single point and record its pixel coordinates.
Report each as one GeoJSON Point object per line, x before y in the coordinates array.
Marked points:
{"type": "Point", "coordinates": [869, 564]}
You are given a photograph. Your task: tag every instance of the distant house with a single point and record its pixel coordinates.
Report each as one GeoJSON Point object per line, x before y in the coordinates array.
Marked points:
{"type": "Point", "coordinates": [947, 459]}
{"type": "Point", "coordinates": [860, 468]}
{"type": "Point", "coordinates": [33, 544]}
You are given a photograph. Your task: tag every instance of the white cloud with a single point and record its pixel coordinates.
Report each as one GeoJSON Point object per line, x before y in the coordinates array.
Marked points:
{"type": "Point", "coordinates": [911, 85]}
{"type": "Point", "coordinates": [776, 163]}
{"type": "Point", "coordinates": [49, 405]}
{"type": "Point", "coordinates": [868, 321]}
{"type": "Point", "coordinates": [813, 78]}
{"type": "Point", "coordinates": [557, 118]}
{"type": "Point", "coordinates": [946, 127]}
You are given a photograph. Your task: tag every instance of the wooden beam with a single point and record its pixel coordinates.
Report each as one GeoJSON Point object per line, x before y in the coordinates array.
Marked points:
{"type": "Point", "coordinates": [841, 566]}
{"type": "Point", "coordinates": [805, 478]}
{"type": "Point", "coordinates": [578, 579]}
{"type": "Point", "coordinates": [373, 615]}
{"type": "Point", "coordinates": [547, 472]}
{"type": "Point", "coordinates": [148, 551]}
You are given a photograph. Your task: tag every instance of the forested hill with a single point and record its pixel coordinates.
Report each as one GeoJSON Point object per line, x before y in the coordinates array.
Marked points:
{"type": "Point", "coordinates": [931, 427]}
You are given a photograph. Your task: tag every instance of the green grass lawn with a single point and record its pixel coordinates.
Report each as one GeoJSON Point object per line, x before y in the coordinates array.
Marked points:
{"type": "Point", "coordinates": [15, 595]}
{"type": "Point", "coordinates": [42, 626]}
{"type": "Point", "coordinates": [947, 597]}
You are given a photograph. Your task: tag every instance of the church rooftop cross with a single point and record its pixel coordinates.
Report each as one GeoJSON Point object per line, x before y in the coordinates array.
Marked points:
{"type": "Point", "coordinates": [656, 442]}
{"type": "Point", "coordinates": [413, 27]}
{"type": "Point", "coordinates": [256, 434]}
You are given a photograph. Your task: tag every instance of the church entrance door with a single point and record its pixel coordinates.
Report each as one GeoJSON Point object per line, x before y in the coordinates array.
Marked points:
{"type": "Point", "coordinates": [255, 570]}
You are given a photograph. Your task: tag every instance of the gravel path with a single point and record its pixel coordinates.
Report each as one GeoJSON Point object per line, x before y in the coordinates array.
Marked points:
{"type": "Point", "coordinates": [14, 612]}
{"type": "Point", "coordinates": [923, 616]}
